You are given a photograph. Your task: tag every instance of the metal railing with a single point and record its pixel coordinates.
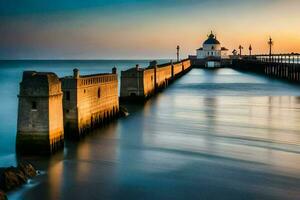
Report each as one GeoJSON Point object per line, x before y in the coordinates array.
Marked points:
{"type": "Point", "coordinates": [292, 58]}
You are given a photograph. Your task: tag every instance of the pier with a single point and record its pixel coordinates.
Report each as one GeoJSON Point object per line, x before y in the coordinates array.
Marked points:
{"type": "Point", "coordinates": [282, 66]}
{"type": "Point", "coordinates": [205, 118]}
{"type": "Point", "coordinates": [51, 108]}
{"type": "Point", "coordinates": [142, 83]}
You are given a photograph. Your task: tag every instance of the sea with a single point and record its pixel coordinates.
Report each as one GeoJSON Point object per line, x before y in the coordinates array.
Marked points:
{"type": "Point", "coordinates": [212, 134]}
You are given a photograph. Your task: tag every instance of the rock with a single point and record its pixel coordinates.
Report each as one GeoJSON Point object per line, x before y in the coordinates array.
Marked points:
{"type": "Point", "coordinates": [123, 112]}
{"type": "Point", "coordinates": [3, 195]}
{"type": "Point", "coordinates": [27, 169]}
{"type": "Point", "coordinates": [13, 177]}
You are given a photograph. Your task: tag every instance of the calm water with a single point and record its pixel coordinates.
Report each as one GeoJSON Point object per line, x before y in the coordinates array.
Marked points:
{"type": "Point", "coordinates": [211, 135]}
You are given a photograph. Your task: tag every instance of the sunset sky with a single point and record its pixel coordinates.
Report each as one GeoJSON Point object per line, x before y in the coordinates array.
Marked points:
{"type": "Point", "coordinates": [136, 29]}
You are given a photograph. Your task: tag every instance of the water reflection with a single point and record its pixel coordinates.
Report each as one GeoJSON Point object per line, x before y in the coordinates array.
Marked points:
{"type": "Point", "coordinates": [55, 175]}
{"type": "Point", "coordinates": [257, 129]}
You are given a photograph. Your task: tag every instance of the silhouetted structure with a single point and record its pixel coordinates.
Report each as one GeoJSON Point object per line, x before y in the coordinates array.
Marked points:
{"type": "Point", "coordinates": [178, 56]}
{"type": "Point", "coordinates": [283, 66]}
{"type": "Point", "coordinates": [270, 43]}
{"type": "Point", "coordinates": [241, 48]}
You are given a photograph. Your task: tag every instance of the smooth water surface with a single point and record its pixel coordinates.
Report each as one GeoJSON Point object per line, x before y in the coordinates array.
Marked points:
{"type": "Point", "coordinates": [218, 134]}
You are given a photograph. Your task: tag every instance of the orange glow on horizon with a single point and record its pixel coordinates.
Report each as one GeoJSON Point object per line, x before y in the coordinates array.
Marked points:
{"type": "Point", "coordinates": [138, 33]}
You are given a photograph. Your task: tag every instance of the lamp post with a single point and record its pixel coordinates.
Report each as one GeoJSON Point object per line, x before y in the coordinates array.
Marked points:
{"type": "Point", "coordinates": [270, 43]}
{"type": "Point", "coordinates": [250, 50]}
{"type": "Point", "coordinates": [178, 48]}
{"type": "Point", "coordinates": [240, 48]}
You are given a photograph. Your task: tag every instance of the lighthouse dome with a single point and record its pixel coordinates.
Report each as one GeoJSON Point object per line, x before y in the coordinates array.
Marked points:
{"type": "Point", "coordinates": [211, 49]}
{"type": "Point", "coordinates": [211, 40]}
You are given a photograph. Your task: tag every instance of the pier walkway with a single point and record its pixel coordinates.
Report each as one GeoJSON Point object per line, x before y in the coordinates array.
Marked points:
{"type": "Point", "coordinates": [283, 66]}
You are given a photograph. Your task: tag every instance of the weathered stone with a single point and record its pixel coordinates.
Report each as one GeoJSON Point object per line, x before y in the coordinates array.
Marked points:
{"type": "Point", "coordinates": [89, 101]}
{"type": "Point", "coordinates": [137, 83]}
{"type": "Point", "coordinates": [40, 114]}
{"type": "Point", "coordinates": [141, 83]}
{"type": "Point", "coordinates": [3, 195]}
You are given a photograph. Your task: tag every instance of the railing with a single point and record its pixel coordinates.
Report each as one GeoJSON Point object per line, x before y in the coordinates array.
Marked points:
{"type": "Point", "coordinates": [283, 66]}
{"type": "Point", "coordinates": [292, 58]}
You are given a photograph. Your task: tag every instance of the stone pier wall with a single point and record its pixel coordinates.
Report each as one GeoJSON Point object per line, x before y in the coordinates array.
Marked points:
{"type": "Point", "coordinates": [89, 101]}
{"type": "Point", "coordinates": [141, 83]}
{"type": "Point", "coordinates": [186, 64]}
{"type": "Point", "coordinates": [40, 118]}
{"type": "Point", "coordinates": [148, 82]}
{"type": "Point", "coordinates": [135, 81]}
{"type": "Point", "coordinates": [177, 68]}
{"type": "Point", "coordinates": [163, 75]}
{"type": "Point", "coordinates": [50, 107]}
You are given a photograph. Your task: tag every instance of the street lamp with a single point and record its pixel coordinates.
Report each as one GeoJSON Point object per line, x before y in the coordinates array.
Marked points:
{"type": "Point", "coordinates": [270, 43]}
{"type": "Point", "coordinates": [240, 48]}
{"type": "Point", "coordinates": [178, 48]}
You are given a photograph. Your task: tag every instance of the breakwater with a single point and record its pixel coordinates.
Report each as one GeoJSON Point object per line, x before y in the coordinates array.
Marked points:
{"type": "Point", "coordinates": [142, 83]}
{"type": "Point", "coordinates": [89, 101]}
{"type": "Point", "coordinates": [52, 108]}
{"type": "Point", "coordinates": [282, 66]}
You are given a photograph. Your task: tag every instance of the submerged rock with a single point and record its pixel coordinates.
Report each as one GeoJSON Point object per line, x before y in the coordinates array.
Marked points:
{"type": "Point", "coordinates": [123, 112]}
{"type": "Point", "coordinates": [3, 195]}
{"type": "Point", "coordinates": [27, 169]}
{"type": "Point", "coordinates": [13, 177]}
